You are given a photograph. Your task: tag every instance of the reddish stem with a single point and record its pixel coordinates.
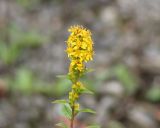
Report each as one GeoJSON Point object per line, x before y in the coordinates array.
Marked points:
{"type": "Point", "coordinates": [72, 119]}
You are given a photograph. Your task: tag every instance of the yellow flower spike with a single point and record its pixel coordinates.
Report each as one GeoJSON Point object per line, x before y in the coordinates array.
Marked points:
{"type": "Point", "coordinates": [79, 50]}
{"type": "Point", "coordinates": [79, 47]}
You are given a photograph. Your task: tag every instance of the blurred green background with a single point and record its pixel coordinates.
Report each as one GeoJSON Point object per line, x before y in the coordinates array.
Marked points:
{"type": "Point", "coordinates": [126, 77]}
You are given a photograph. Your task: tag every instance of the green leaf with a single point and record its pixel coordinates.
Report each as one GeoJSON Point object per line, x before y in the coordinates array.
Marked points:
{"type": "Point", "coordinates": [85, 90]}
{"type": "Point", "coordinates": [9, 54]}
{"type": "Point", "coordinates": [89, 70]}
{"type": "Point", "coordinates": [30, 40]}
{"type": "Point", "coordinates": [3, 51]}
{"type": "Point", "coordinates": [154, 94]}
{"type": "Point", "coordinates": [62, 125]}
{"type": "Point", "coordinates": [87, 110]}
{"type": "Point", "coordinates": [93, 126]}
{"type": "Point", "coordinates": [115, 124]}
{"type": "Point", "coordinates": [63, 76]}
{"type": "Point", "coordinates": [23, 81]}
{"type": "Point", "coordinates": [61, 87]}
{"type": "Point", "coordinates": [128, 79]}
{"type": "Point", "coordinates": [28, 4]}
{"type": "Point", "coordinates": [67, 111]}
{"type": "Point", "coordinates": [59, 102]}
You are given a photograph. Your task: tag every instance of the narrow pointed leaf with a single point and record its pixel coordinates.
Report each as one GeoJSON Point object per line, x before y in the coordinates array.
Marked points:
{"type": "Point", "coordinates": [89, 70]}
{"type": "Point", "coordinates": [67, 111]}
{"type": "Point", "coordinates": [59, 102]}
{"type": "Point", "coordinates": [87, 111]}
{"type": "Point", "coordinates": [87, 91]}
{"type": "Point", "coordinates": [61, 76]}
{"type": "Point", "coordinates": [62, 125]}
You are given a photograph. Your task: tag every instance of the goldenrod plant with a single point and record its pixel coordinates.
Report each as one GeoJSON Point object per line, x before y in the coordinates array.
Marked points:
{"type": "Point", "coordinates": [80, 51]}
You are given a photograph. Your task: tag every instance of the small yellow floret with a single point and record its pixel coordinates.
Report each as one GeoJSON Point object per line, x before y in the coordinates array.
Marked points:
{"type": "Point", "coordinates": [76, 107]}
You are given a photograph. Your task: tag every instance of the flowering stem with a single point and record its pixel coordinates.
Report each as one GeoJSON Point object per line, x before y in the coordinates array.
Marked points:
{"type": "Point", "coordinates": [72, 119]}
{"type": "Point", "coordinates": [80, 51]}
{"type": "Point", "coordinates": [73, 111]}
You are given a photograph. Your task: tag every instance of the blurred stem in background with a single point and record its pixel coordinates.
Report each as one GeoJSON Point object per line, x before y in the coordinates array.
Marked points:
{"type": "Point", "coordinates": [5, 23]}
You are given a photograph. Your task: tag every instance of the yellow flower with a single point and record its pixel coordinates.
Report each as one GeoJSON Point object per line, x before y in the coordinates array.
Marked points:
{"type": "Point", "coordinates": [76, 107]}
{"type": "Point", "coordinates": [77, 86]}
{"type": "Point", "coordinates": [79, 47]}
{"type": "Point", "coordinates": [79, 50]}
{"type": "Point", "coordinates": [73, 96]}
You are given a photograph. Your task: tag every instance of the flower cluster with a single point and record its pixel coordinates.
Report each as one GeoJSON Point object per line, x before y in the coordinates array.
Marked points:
{"type": "Point", "coordinates": [79, 48]}
{"type": "Point", "coordinates": [77, 89]}
{"type": "Point", "coordinates": [80, 51]}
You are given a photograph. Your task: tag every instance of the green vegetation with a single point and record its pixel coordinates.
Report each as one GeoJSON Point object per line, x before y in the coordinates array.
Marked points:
{"type": "Point", "coordinates": [153, 94]}
{"type": "Point", "coordinates": [19, 41]}
{"type": "Point", "coordinates": [11, 53]}
{"type": "Point", "coordinates": [127, 79]}
{"type": "Point", "coordinates": [28, 4]}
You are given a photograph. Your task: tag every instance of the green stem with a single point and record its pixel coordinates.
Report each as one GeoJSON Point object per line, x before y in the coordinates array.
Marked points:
{"type": "Point", "coordinates": [73, 113]}
{"type": "Point", "coordinates": [72, 119]}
